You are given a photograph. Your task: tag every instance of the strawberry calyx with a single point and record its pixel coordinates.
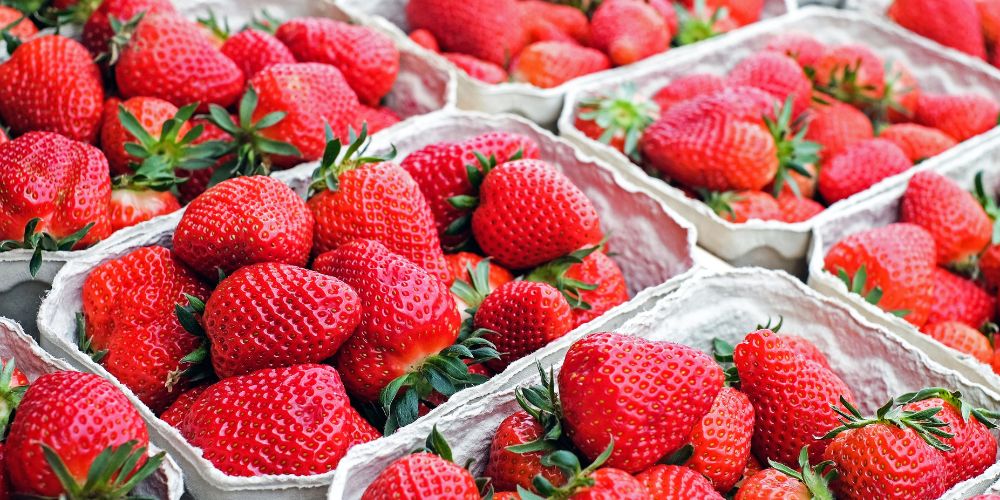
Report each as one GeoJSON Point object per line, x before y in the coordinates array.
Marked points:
{"type": "Point", "coordinates": [265, 21]}
{"type": "Point", "coordinates": [878, 109]}
{"type": "Point", "coordinates": [474, 291]}
{"type": "Point", "coordinates": [251, 153]}
{"type": "Point", "coordinates": [721, 202]}
{"type": "Point", "coordinates": [795, 153]}
{"type": "Point", "coordinates": [10, 394]}
{"type": "Point", "coordinates": [723, 351]}
{"type": "Point", "coordinates": [199, 366]}
{"type": "Point", "coordinates": [844, 86]}
{"type": "Point", "coordinates": [122, 34]}
{"type": "Point", "coordinates": [620, 115]}
{"type": "Point", "coordinates": [576, 477]}
{"type": "Point", "coordinates": [554, 273]}
{"type": "Point", "coordinates": [697, 25]}
{"type": "Point", "coordinates": [542, 402]}
{"type": "Point", "coordinates": [218, 27]}
{"type": "Point", "coordinates": [337, 161]}
{"type": "Point", "coordinates": [857, 284]}
{"type": "Point", "coordinates": [468, 202]}
{"type": "Point", "coordinates": [111, 475]}
{"type": "Point", "coordinates": [987, 417]}
{"type": "Point", "coordinates": [817, 478]}
{"type": "Point", "coordinates": [436, 444]}
{"type": "Point", "coordinates": [41, 241]}
{"type": "Point", "coordinates": [84, 343]}
{"type": "Point", "coordinates": [923, 422]}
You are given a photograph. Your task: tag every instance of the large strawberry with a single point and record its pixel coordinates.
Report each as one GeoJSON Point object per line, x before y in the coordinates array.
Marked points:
{"type": "Point", "coordinates": [244, 221]}
{"type": "Point", "coordinates": [428, 473]}
{"type": "Point", "coordinates": [958, 299]}
{"type": "Point", "coordinates": [254, 50]}
{"type": "Point", "coordinates": [777, 75]}
{"type": "Point", "coordinates": [959, 225]}
{"type": "Point", "coordinates": [487, 29]}
{"type": "Point", "coordinates": [310, 316]}
{"type": "Point", "coordinates": [783, 482]}
{"type": "Point", "coordinates": [174, 415]}
{"type": "Point", "coordinates": [917, 141]}
{"type": "Point", "coordinates": [256, 424]}
{"type": "Point", "coordinates": [132, 205]}
{"type": "Point", "coordinates": [954, 23]}
{"type": "Point", "coordinates": [836, 126]}
{"type": "Point", "coordinates": [97, 30]}
{"type": "Point", "coordinates": [51, 83]}
{"type": "Point", "coordinates": [368, 59]}
{"type": "Point", "coordinates": [720, 441]}
{"type": "Point", "coordinates": [960, 116]}
{"type": "Point", "coordinates": [552, 63]}
{"type": "Point", "coordinates": [859, 167]}
{"type": "Point", "coordinates": [628, 30]}
{"type": "Point", "coordinates": [642, 429]}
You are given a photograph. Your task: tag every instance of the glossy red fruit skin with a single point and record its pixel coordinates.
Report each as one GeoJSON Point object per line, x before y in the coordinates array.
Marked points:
{"type": "Point", "coordinates": [882, 460]}
{"type": "Point", "coordinates": [52, 84]}
{"type": "Point", "coordinates": [296, 420]}
{"type": "Point", "coordinates": [836, 126]}
{"type": "Point", "coordinates": [408, 315]}
{"type": "Point", "coordinates": [149, 111]}
{"type": "Point", "coordinates": [721, 440]}
{"type": "Point", "coordinates": [566, 21]}
{"type": "Point", "coordinates": [376, 119]}
{"type": "Point", "coordinates": [478, 69]}
{"type": "Point", "coordinates": [599, 269]}
{"type": "Point", "coordinates": [423, 475]}
{"type": "Point", "coordinates": [253, 50]}
{"type": "Point", "coordinates": [612, 484]}
{"type": "Point", "coordinates": [917, 141]}
{"type": "Point", "coordinates": [425, 39]}
{"type": "Point", "coordinates": [169, 57]}
{"type": "Point", "coordinates": [958, 223]}
{"type": "Point", "coordinates": [481, 28]}
{"type": "Point", "coordinates": [526, 316]}
{"type": "Point", "coordinates": [78, 415]}
{"type": "Point", "coordinates": [687, 87]}
{"type": "Point", "coordinates": [803, 347]}
{"type": "Point", "coordinates": [960, 116]}
{"type": "Point", "coordinates": [628, 31]}
{"type": "Point", "coordinates": [797, 209]}
{"type": "Point", "coordinates": [129, 207]}
{"type": "Point", "coordinates": [549, 64]}
{"type": "Point", "coordinates": [989, 266]}
{"type": "Point", "coordinates": [529, 213]}
{"type": "Point", "coordinates": [958, 299]}
{"type": "Point", "coordinates": [508, 469]}
{"type": "Point", "coordinates": [772, 484]}
{"type": "Point", "coordinates": [368, 59]}
{"type": "Point", "coordinates": [63, 182]}
{"type": "Point", "coordinates": [24, 29]}
{"type": "Point", "coordinates": [899, 259]}
{"type": "Point", "coordinates": [674, 482]}
{"type": "Point", "coordinates": [777, 75]}
{"type": "Point", "coordinates": [97, 30]}
{"type": "Point", "coordinates": [870, 79]}
{"type": "Point", "coordinates": [611, 367]}
{"type": "Point", "coordinates": [748, 205]}
{"type": "Point", "coordinates": [803, 48]}
{"type": "Point", "coordinates": [174, 415]}
{"type": "Point", "coordinates": [859, 167]}
{"type": "Point", "coordinates": [962, 338]}
{"type": "Point", "coordinates": [244, 221]}
{"type": "Point", "coordinates": [955, 23]}
{"type": "Point", "coordinates": [791, 397]}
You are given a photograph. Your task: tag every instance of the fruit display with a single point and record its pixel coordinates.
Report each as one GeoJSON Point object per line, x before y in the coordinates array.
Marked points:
{"type": "Point", "coordinates": [780, 410]}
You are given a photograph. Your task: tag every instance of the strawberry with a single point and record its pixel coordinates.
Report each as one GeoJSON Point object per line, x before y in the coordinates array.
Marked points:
{"type": "Point", "coordinates": [850, 73]}
{"type": "Point", "coordinates": [959, 225]}
{"type": "Point", "coordinates": [791, 397]}
{"type": "Point", "coordinates": [836, 126]}
{"type": "Point", "coordinates": [628, 31]}
{"type": "Point", "coordinates": [962, 338]}
{"type": "Point", "coordinates": [368, 59]}
{"type": "Point", "coordinates": [895, 451]}
{"type": "Point", "coordinates": [51, 84]}
{"type": "Point", "coordinates": [132, 206]}
{"type": "Point", "coordinates": [477, 69]}
{"type": "Point", "coordinates": [174, 415]}
{"type": "Point", "coordinates": [16, 24]}
{"type": "Point", "coordinates": [673, 482]}
{"type": "Point", "coordinates": [917, 141]}
{"type": "Point", "coordinates": [252, 425]}
{"type": "Point", "coordinates": [254, 50]}
{"type": "Point", "coordinates": [777, 75]}
{"type": "Point", "coordinates": [741, 206]}
{"type": "Point", "coordinates": [902, 93]}
{"type": "Point", "coordinates": [353, 196]}
{"type": "Point", "coordinates": [376, 119]}
{"type": "Point", "coordinates": [959, 116]}
{"type": "Point", "coordinates": [98, 31]}
{"type": "Point", "coordinates": [552, 63]}
{"type": "Point", "coordinates": [803, 347]}
{"type": "Point", "coordinates": [66, 427]}
{"type": "Point", "coordinates": [859, 167]}
{"type": "Point", "coordinates": [782, 482]}
{"type": "Point", "coordinates": [803, 48]}
{"type": "Point", "coordinates": [696, 21]}
{"type": "Point", "coordinates": [425, 39]}
{"type": "Point", "coordinates": [566, 21]}
{"type": "Point", "coordinates": [721, 440]}
{"type": "Point", "coordinates": [617, 120]}
{"type": "Point", "coordinates": [989, 266]}
{"type": "Point", "coordinates": [958, 299]}
{"type": "Point", "coordinates": [590, 280]}
{"type": "Point", "coordinates": [687, 87]}
{"type": "Point", "coordinates": [244, 221]}
{"type": "Point", "coordinates": [461, 264]}
{"type": "Point", "coordinates": [891, 266]}
{"type": "Point", "coordinates": [743, 12]}
{"type": "Point", "coordinates": [485, 29]}
{"type": "Point", "coordinates": [752, 468]}
{"type": "Point", "coordinates": [590, 483]}
{"type": "Point", "coordinates": [641, 429]}
{"type": "Point", "coordinates": [195, 182]}
{"type": "Point", "coordinates": [168, 57]}
{"type": "Point", "coordinates": [514, 197]}
{"type": "Point", "coordinates": [428, 473]}
{"type": "Point", "coordinates": [989, 19]}
{"type": "Point", "coordinates": [794, 209]}
{"type": "Point", "coordinates": [955, 23]}
{"type": "Point", "coordinates": [150, 113]}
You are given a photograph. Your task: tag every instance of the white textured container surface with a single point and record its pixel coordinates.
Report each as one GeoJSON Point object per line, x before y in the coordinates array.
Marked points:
{"type": "Point", "coordinates": [540, 105]}
{"type": "Point", "coordinates": [165, 484]}
{"type": "Point", "coordinates": [652, 246]}
{"type": "Point", "coordinates": [872, 361]}
{"type": "Point", "coordinates": [883, 209]}
{"type": "Point", "coordinates": [773, 244]}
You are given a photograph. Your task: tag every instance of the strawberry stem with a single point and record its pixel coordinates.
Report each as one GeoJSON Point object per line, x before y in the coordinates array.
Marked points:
{"type": "Point", "coordinates": [10, 397]}
{"type": "Point", "coordinates": [111, 475]}
{"type": "Point", "coordinates": [928, 427]}
{"type": "Point", "coordinates": [816, 478]}
{"type": "Point", "coordinates": [554, 273]}
{"type": "Point", "coordinates": [337, 160]}
{"type": "Point", "coordinates": [987, 417]}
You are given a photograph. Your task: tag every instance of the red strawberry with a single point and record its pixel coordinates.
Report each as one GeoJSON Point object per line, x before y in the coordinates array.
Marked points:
{"type": "Point", "coordinates": [485, 29]}
{"type": "Point", "coordinates": [149, 112]}
{"type": "Point", "coordinates": [541, 16]}
{"type": "Point", "coordinates": [989, 19]}
{"type": "Point", "coordinates": [850, 73]}
{"type": "Point", "coordinates": [253, 424]}
{"type": "Point", "coordinates": [955, 23]}
{"type": "Point", "coordinates": [16, 24]}
{"type": "Point", "coordinates": [628, 31]}
{"type": "Point", "coordinates": [791, 397]}
{"type": "Point", "coordinates": [368, 59]}
{"type": "Point", "coordinates": [959, 116]}
{"type": "Point", "coordinates": [376, 119]}
{"type": "Point", "coordinates": [687, 87]}
{"type": "Point", "coordinates": [132, 206]}
{"type": "Point", "coordinates": [721, 440]}
{"type": "Point", "coordinates": [196, 182]}
{"type": "Point", "coordinates": [551, 63]}
{"type": "Point", "coordinates": [244, 221]}
{"type": "Point", "coordinates": [254, 50]}
{"type": "Point", "coordinates": [989, 266]}
{"type": "Point", "coordinates": [958, 299]}
{"type": "Point", "coordinates": [13, 383]}
{"type": "Point", "coordinates": [743, 12]}
{"type": "Point", "coordinates": [607, 283]}
{"type": "Point", "coordinates": [797, 209]}
{"type": "Point", "coordinates": [642, 429]}
{"type": "Point", "coordinates": [169, 57]}
{"type": "Point", "coordinates": [836, 126]}
{"type": "Point", "coordinates": [425, 39]}
{"type": "Point", "coordinates": [429, 473]}
{"type": "Point", "coordinates": [741, 206]}
{"type": "Point", "coordinates": [617, 120]}
{"type": "Point", "coordinates": [696, 21]}
{"type": "Point", "coordinates": [97, 31]}
{"type": "Point", "coordinates": [806, 349]}
{"type": "Point", "coordinates": [78, 416]}
{"type": "Point", "coordinates": [917, 141]}
{"type": "Point", "coordinates": [961, 337]}
{"type": "Point", "coordinates": [777, 75]}
{"type": "Point", "coordinates": [673, 482]}
{"type": "Point", "coordinates": [898, 260]}
{"type": "Point", "coordinates": [805, 49]}
{"type": "Point", "coordinates": [52, 84]}
{"type": "Point", "coordinates": [902, 92]}
{"type": "Point", "coordinates": [460, 265]}
{"type": "Point", "coordinates": [174, 415]}
{"type": "Point", "coordinates": [959, 225]}
{"type": "Point", "coordinates": [785, 483]}
{"type": "Point", "coordinates": [478, 69]}
{"type": "Point", "coordinates": [859, 167]}
{"type": "Point", "coordinates": [508, 469]}
{"type": "Point", "coordinates": [514, 198]}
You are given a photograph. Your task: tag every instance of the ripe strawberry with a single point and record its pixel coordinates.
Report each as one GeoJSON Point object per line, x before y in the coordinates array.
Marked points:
{"type": "Point", "coordinates": [850, 73]}
{"type": "Point", "coordinates": [989, 266]}
{"type": "Point", "coordinates": [77, 416]}
{"type": "Point", "coordinates": [859, 167]}
{"type": "Point", "coordinates": [590, 280]}
{"type": "Point", "coordinates": [428, 473]}
{"type": "Point", "coordinates": [642, 430]}
{"type": "Point", "coordinates": [955, 23]}
{"type": "Point", "coordinates": [551, 63]}
{"type": "Point", "coordinates": [785, 483]}
{"type": "Point", "coordinates": [721, 440]}
{"type": "Point", "coordinates": [150, 113]}
{"type": "Point", "coordinates": [696, 21]}
{"type": "Point", "coordinates": [13, 383]}
{"type": "Point", "coordinates": [486, 29]}
{"type": "Point", "coordinates": [959, 225]}
{"type": "Point", "coordinates": [461, 264]}
{"type": "Point", "coordinates": [961, 337]}
{"type": "Point", "coordinates": [628, 31]}
{"type": "Point", "coordinates": [958, 299]}
{"type": "Point", "coordinates": [743, 12]}
{"type": "Point", "coordinates": [97, 30]}
{"type": "Point", "coordinates": [16, 23]}
{"type": "Point", "coordinates": [686, 87]}
{"type": "Point", "coordinates": [51, 84]}
{"type": "Point", "coordinates": [803, 48]}
{"type": "Point", "coordinates": [794, 209]}
{"type": "Point", "coordinates": [182, 405]}
{"type": "Point", "coordinates": [791, 397]}
{"type": "Point", "coordinates": [376, 119]}
{"type": "Point", "coordinates": [252, 425]}
{"type": "Point", "coordinates": [567, 22]}
{"type": "Point", "coordinates": [803, 347]}
{"type": "Point", "coordinates": [594, 483]}
{"type": "Point", "coordinates": [509, 469]}
{"type": "Point", "coordinates": [673, 482]}
{"type": "Point", "coordinates": [891, 266]}
{"type": "Point", "coordinates": [254, 50]}
{"type": "Point", "coordinates": [514, 198]}
{"type": "Point", "coordinates": [917, 141]}
{"type": "Point", "coordinates": [959, 116]}
{"type": "Point", "coordinates": [195, 182]}
{"type": "Point", "coordinates": [132, 206]}
{"type": "Point", "coordinates": [425, 39]}
{"type": "Point", "coordinates": [477, 69]}
{"type": "Point", "coordinates": [836, 126]}
{"type": "Point", "coordinates": [368, 59]}
{"type": "Point", "coordinates": [741, 206]}
{"type": "Point", "coordinates": [777, 75]}
{"type": "Point", "coordinates": [244, 221]}
{"type": "Point", "coordinates": [354, 197]}
{"type": "Point", "coordinates": [168, 57]}
{"type": "Point", "coordinates": [617, 120]}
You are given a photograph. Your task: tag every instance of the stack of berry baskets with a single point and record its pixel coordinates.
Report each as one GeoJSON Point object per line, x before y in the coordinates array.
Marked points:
{"type": "Point", "coordinates": [33, 362]}
{"type": "Point", "coordinates": [648, 248]}
{"type": "Point", "coordinates": [937, 283]}
{"type": "Point", "coordinates": [755, 199]}
{"type": "Point", "coordinates": [564, 49]}
{"type": "Point", "coordinates": [825, 349]}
